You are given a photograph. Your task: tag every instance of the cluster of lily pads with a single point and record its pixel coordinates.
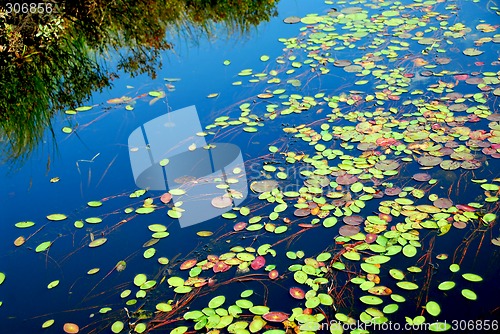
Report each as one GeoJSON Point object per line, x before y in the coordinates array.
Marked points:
{"type": "Point", "coordinates": [367, 170]}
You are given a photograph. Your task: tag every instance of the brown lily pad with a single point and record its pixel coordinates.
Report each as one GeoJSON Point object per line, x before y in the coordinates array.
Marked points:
{"type": "Point", "coordinates": [348, 230]}
{"type": "Point", "coordinates": [302, 212]}
{"type": "Point", "coordinates": [353, 220]}
{"type": "Point", "coordinates": [443, 203]}
{"type": "Point", "coordinates": [422, 177]}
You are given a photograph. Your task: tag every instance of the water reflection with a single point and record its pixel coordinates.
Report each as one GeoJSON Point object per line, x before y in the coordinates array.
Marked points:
{"type": "Point", "coordinates": [49, 61]}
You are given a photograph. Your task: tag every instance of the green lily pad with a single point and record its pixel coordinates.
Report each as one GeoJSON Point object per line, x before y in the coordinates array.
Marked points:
{"type": "Point", "coordinates": [433, 308]}
{"type": "Point", "coordinates": [446, 285]}
{"type": "Point", "coordinates": [472, 277]}
{"type": "Point", "coordinates": [98, 242]}
{"type": "Point", "coordinates": [469, 294]}
{"type": "Point", "coordinates": [24, 224]}
{"type": "Point", "coordinates": [371, 300]}
{"type": "Point", "coordinates": [43, 246]}
{"type": "Point", "coordinates": [117, 327]}
{"type": "Point", "coordinates": [140, 279]}
{"type": "Point", "coordinates": [48, 323]}
{"type": "Point", "coordinates": [216, 302]}
{"type": "Point", "coordinates": [57, 216]}
{"type": "Point", "coordinates": [407, 285]}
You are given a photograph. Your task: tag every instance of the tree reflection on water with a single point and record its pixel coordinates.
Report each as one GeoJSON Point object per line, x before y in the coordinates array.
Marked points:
{"type": "Point", "coordinates": [50, 61]}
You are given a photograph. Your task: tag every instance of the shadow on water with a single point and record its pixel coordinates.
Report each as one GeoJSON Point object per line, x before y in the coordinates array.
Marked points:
{"type": "Point", "coordinates": [49, 55]}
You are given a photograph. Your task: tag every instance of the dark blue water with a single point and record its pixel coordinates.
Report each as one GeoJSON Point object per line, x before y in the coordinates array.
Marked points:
{"type": "Point", "coordinates": [93, 164]}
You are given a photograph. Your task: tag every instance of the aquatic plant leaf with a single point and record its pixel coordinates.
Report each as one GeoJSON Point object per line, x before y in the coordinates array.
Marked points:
{"type": "Point", "coordinates": [469, 294]}
{"type": "Point", "coordinates": [257, 324]}
{"type": "Point", "coordinates": [93, 220]}
{"type": "Point", "coordinates": [377, 259]}
{"type": "Point", "coordinates": [93, 271]}
{"type": "Point", "coordinates": [472, 52]}
{"type": "Point", "coordinates": [149, 253]}
{"type": "Point", "coordinates": [407, 285]}
{"type": "Point", "coordinates": [275, 316]}
{"type": "Point", "coordinates": [57, 217]}
{"type": "Point", "coordinates": [24, 224]}
{"type": "Point", "coordinates": [140, 279]}
{"type": "Point", "coordinates": [188, 264]}
{"type": "Point", "coordinates": [409, 250]}
{"type": "Point", "coordinates": [177, 192]}
{"type": "Point", "coordinates": [174, 214]}
{"type": "Point", "coordinates": [71, 328]}
{"type": "Point", "coordinates": [216, 302]}
{"type": "Point", "coordinates": [259, 310]}
{"type": "Point", "coordinates": [433, 308]}
{"type": "Point", "coordinates": [446, 285]}
{"type": "Point", "coordinates": [48, 323]}
{"type": "Point", "coordinates": [489, 218]}
{"type": "Point", "coordinates": [97, 242]}
{"type": "Point", "coordinates": [53, 284]}
{"type": "Point", "coordinates": [244, 303]}
{"type": "Point", "coordinates": [371, 300]}
{"type": "Point", "coordinates": [292, 19]}
{"type": "Point", "coordinates": [297, 293]}
{"type": "Point", "coordinates": [157, 228]}
{"type": "Point", "coordinates": [164, 307]}
{"type": "Point", "coordinates": [144, 210]}
{"type": "Point", "coordinates": [19, 241]}
{"type": "Point", "coordinates": [2, 277]}
{"type": "Point", "coordinates": [43, 246]}
{"type": "Point", "coordinates": [147, 285]}
{"type": "Point", "coordinates": [117, 327]}
{"type": "Point", "coordinates": [472, 277]}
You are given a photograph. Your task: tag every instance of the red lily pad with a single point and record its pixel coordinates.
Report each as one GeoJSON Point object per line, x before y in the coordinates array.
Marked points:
{"type": "Point", "coordinates": [212, 258]}
{"type": "Point", "coordinates": [240, 226]}
{"type": "Point", "coordinates": [461, 77]}
{"type": "Point", "coordinates": [165, 198]}
{"type": "Point", "coordinates": [297, 293]}
{"type": "Point", "coordinates": [384, 142]}
{"type": "Point", "coordinates": [465, 207]}
{"type": "Point", "coordinates": [385, 216]}
{"type": "Point", "coordinates": [459, 225]}
{"type": "Point", "coordinates": [258, 263]}
{"type": "Point", "coordinates": [188, 264]}
{"type": "Point", "coordinates": [273, 274]}
{"type": "Point", "coordinates": [221, 267]}
{"type": "Point", "coordinates": [275, 316]}
{"type": "Point", "coordinates": [370, 238]}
